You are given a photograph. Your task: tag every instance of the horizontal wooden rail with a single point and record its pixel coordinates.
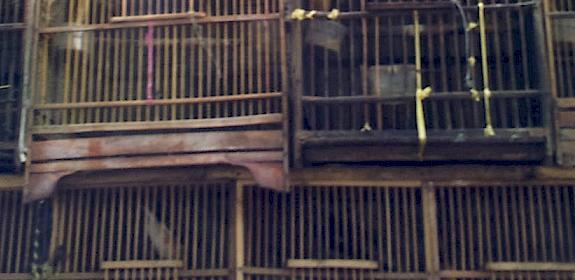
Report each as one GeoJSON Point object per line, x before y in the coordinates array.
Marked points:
{"type": "Point", "coordinates": [158, 17]}
{"type": "Point", "coordinates": [435, 95]}
{"type": "Point", "coordinates": [156, 102]}
{"type": "Point", "coordinates": [170, 143]}
{"type": "Point", "coordinates": [142, 264]}
{"type": "Point", "coordinates": [161, 125]}
{"type": "Point", "coordinates": [375, 9]}
{"type": "Point", "coordinates": [566, 102]}
{"type": "Point", "coordinates": [332, 263]}
{"type": "Point", "coordinates": [126, 25]}
{"type": "Point", "coordinates": [530, 266]}
{"type": "Point", "coordinates": [409, 6]}
{"type": "Point", "coordinates": [12, 26]}
{"type": "Point", "coordinates": [563, 14]}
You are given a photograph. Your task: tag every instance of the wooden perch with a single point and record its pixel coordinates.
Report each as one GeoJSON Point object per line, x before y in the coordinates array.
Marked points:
{"type": "Point", "coordinates": [332, 263]}
{"type": "Point", "coordinates": [530, 266]}
{"type": "Point", "coordinates": [158, 17]}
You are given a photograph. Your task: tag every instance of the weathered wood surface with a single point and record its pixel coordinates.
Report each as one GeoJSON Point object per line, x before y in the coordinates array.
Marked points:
{"type": "Point", "coordinates": [156, 144]}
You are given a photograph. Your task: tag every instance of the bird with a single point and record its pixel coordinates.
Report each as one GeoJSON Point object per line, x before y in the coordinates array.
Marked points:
{"type": "Point", "coordinates": [161, 237]}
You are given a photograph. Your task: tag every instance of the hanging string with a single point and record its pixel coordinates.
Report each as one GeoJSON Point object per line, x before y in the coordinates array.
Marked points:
{"type": "Point", "coordinates": [467, 27]}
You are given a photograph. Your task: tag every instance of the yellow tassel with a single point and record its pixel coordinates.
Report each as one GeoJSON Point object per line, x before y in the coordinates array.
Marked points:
{"type": "Point", "coordinates": [475, 95]}
{"type": "Point", "coordinates": [333, 15]}
{"type": "Point", "coordinates": [471, 60]}
{"type": "Point", "coordinates": [311, 14]}
{"type": "Point", "coordinates": [471, 26]}
{"type": "Point", "coordinates": [298, 14]}
{"type": "Point", "coordinates": [366, 127]}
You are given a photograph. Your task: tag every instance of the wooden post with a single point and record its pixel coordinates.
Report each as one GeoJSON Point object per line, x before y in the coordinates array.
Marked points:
{"type": "Point", "coordinates": [431, 242]}
{"type": "Point", "coordinates": [28, 87]}
{"type": "Point", "coordinates": [285, 100]}
{"type": "Point", "coordinates": [237, 241]}
{"type": "Point", "coordinates": [296, 88]}
{"type": "Point", "coordinates": [543, 24]}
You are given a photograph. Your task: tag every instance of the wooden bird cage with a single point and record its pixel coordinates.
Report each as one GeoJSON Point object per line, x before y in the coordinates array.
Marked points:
{"type": "Point", "coordinates": [342, 91]}
{"type": "Point", "coordinates": [11, 80]}
{"type": "Point", "coordinates": [362, 229]}
{"type": "Point", "coordinates": [208, 64]}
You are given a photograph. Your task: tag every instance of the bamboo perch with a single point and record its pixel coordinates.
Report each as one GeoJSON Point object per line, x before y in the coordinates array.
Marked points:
{"type": "Point", "coordinates": [420, 94]}
{"type": "Point", "coordinates": [158, 17]}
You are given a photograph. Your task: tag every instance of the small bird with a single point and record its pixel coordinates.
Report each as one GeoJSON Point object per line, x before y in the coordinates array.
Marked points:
{"type": "Point", "coordinates": [161, 237]}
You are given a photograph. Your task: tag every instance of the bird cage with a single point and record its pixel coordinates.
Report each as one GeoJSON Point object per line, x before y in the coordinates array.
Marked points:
{"type": "Point", "coordinates": [345, 90]}
{"type": "Point", "coordinates": [133, 65]}
{"type": "Point", "coordinates": [11, 80]}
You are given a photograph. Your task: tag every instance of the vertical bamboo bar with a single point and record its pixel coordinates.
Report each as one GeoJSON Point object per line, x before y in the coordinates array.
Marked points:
{"type": "Point", "coordinates": [125, 70]}
{"type": "Point", "coordinates": [327, 206]}
{"type": "Point", "coordinates": [435, 116]}
{"type": "Point", "coordinates": [414, 233]}
{"type": "Point", "coordinates": [309, 226]}
{"type": "Point", "coordinates": [354, 224]}
{"type": "Point", "coordinates": [19, 236]}
{"type": "Point", "coordinates": [3, 224]}
{"type": "Point", "coordinates": [543, 231]}
{"type": "Point", "coordinates": [223, 222]}
{"type": "Point", "coordinates": [259, 53]}
{"type": "Point", "coordinates": [523, 222]}
{"type": "Point", "coordinates": [249, 52]}
{"type": "Point", "coordinates": [568, 206]}
{"type": "Point", "coordinates": [196, 212]}
{"type": "Point", "coordinates": [84, 237]}
{"type": "Point", "coordinates": [317, 221]}
{"type": "Point", "coordinates": [443, 69]}
{"type": "Point", "coordinates": [406, 235]}
{"type": "Point", "coordinates": [12, 226]}
{"type": "Point", "coordinates": [453, 226]}
{"type": "Point", "coordinates": [551, 234]}
{"type": "Point", "coordinates": [515, 220]}
{"type": "Point", "coordinates": [238, 239]}
{"type": "Point", "coordinates": [270, 52]}
{"type": "Point", "coordinates": [164, 67]}
{"type": "Point", "coordinates": [120, 240]}
{"type": "Point", "coordinates": [388, 229]}
{"type": "Point", "coordinates": [479, 222]}
{"type": "Point", "coordinates": [498, 226]}
{"type": "Point", "coordinates": [380, 230]}
{"type": "Point", "coordinates": [85, 62]}
{"type": "Point", "coordinates": [461, 221]}
{"type": "Point", "coordinates": [397, 230]}
{"type": "Point", "coordinates": [336, 218]}
{"type": "Point", "coordinates": [187, 197]}
{"type": "Point", "coordinates": [113, 208]}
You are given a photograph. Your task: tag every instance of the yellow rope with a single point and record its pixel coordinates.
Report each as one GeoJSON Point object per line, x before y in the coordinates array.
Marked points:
{"type": "Point", "coordinates": [420, 94]}
{"type": "Point", "coordinates": [488, 131]}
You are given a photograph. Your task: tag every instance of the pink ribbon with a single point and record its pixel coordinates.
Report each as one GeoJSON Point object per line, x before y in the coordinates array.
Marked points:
{"type": "Point", "coordinates": [150, 44]}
